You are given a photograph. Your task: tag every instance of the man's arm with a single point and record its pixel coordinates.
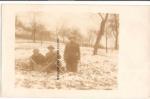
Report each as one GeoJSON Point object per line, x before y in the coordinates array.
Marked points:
{"type": "Point", "coordinates": [31, 59]}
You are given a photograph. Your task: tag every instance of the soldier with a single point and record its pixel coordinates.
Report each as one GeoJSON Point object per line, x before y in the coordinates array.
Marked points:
{"type": "Point", "coordinates": [51, 54]}
{"type": "Point", "coordinates": [52, 59]}
{"type": "Point", "coordinates": [37, 59]}
{"type": "Point", "coordinates": [72, 54]}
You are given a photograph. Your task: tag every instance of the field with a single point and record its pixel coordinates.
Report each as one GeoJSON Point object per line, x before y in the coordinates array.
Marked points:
{"type": "Point", "coordinates": [95, 72]}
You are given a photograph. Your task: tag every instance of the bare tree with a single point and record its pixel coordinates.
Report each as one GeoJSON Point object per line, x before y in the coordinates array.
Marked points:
{"type": "Point", "coordinates": [40, 28]}
{"type": "Point", "coordinates": [37, 29]}
{"type": "Point", "coordinates": [34, 25]}
{"type": "Point", "coordinates": [116, 27]}
{"type": "Point", "coordinates": [90, 39]}
{"type": "Point", "coordinates": [33, 28]}
{"type": "Point", "coordinates": [64, 32]}
{"type": "Point", "coordinates": [19, 24]}
{"type": "Point", "coordinates": [101, 32]}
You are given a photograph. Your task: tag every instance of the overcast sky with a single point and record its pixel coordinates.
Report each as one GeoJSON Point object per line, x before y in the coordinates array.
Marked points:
{"type": "Point", "coordinates": [52, 20]}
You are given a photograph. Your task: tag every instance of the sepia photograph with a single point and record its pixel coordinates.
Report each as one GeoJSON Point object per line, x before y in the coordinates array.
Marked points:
{"type": "Point", "coordinates": [75, 51]}
{"type": "Point", "coordinates": [71, 51]}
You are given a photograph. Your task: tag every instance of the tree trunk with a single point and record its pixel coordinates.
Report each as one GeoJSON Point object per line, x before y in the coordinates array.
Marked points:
{"type": "Point", "coordinates": [34, 28]}
{"type": "Point", "coordinates": [100, 34]}
{"type": "Point", "coordinates": [106, 42]}
{"type": "Point", "coordinates": [117, 32]}
{"type": "Point", "coordinates": [33, 34]}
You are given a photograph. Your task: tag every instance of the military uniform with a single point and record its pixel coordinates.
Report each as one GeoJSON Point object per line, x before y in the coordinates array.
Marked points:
{"type": "Point", "coordinates": [37, 60]}
{"type": "Point", "coordinates": [52, 59]}
{"type": "Point", "coordinates": [72, 56]}
{"type": "Point", "coordinates": [51, 56]}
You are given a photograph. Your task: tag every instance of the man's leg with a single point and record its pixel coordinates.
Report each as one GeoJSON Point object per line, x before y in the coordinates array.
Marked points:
{"type": "Point", "coordinates": [68, 66]}
{"type": "Point", "coordinates": [74, 67]}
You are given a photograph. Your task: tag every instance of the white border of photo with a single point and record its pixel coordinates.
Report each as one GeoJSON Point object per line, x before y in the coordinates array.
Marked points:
{"type": "Point", "coordinates": [134, 70]}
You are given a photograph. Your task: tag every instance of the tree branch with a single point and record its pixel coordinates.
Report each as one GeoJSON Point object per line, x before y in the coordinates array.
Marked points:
{"type": "Point", "coordinates": [101, 16]}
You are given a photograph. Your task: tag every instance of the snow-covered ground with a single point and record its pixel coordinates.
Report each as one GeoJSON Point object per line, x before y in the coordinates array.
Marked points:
{"type": "Point", "coordinates": [94, 71]}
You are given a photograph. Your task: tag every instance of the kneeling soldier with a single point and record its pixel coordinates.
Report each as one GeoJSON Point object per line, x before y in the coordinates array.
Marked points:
{"type": "Point", "coordinates": [37, 59]}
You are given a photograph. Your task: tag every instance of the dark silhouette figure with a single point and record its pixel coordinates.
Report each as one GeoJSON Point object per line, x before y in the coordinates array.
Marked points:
{"type": "Point", "coordinates": [72, 55]}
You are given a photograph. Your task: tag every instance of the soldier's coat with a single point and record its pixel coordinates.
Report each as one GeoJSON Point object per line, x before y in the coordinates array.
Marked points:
{"type": "Point", "coordinates": [72, 56]}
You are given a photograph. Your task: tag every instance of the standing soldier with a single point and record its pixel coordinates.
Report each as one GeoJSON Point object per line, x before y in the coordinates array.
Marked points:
{"type": "Point", "coordinates": [72, 55]}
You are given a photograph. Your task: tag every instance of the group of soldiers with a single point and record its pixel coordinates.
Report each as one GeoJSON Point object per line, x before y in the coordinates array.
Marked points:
{"type": "Point", "coordinates": [49, 62]}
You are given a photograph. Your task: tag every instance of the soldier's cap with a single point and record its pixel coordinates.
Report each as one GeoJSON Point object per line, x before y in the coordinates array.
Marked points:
{"type": "Point", "coordinates": [50, 47]}
{"type": "Point", "coordinates": [35, 50]}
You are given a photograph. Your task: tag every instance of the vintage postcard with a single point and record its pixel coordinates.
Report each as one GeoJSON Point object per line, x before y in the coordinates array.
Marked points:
{"type": "Point", "coordinates": [80, 49]}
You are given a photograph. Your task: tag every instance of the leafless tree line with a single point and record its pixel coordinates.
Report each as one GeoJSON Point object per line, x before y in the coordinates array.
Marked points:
{"type": "Point", "coordinates": [109, 23]}
{"type": "Point", "coordinates": [113, 26]}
